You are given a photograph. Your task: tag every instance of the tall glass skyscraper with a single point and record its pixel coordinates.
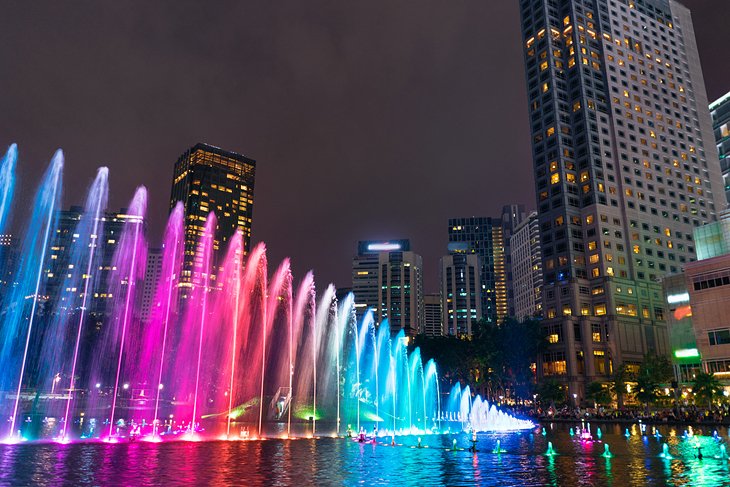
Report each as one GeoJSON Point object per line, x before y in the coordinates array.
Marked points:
{"type": "Point", "coordinates": [625, 168]}
{"type": "Point", "coordinates": [209, 179]}
{"type": "Point", "coordinates": [484, 236]}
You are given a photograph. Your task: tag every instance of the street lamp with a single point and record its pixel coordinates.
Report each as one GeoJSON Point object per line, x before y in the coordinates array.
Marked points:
{"type": "Point", "coordinates": [56, 380]}
{"type": "Point", "coordinates": [575, 399]}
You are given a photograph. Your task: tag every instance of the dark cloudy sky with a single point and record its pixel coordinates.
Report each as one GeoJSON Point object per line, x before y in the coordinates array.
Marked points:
{"type": "Point", "coordinates": [370, 119]}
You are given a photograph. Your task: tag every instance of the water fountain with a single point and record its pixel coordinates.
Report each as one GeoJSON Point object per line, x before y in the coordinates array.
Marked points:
{"type": "Point", "coordinates": [550, 451]}
{"type": "Point", "coordinates": [498, 448]}
{"type": "Point", "coordinates": [476, 413]}
{"type": "Point", "coordinates": [224, 353]}
{"type": "Point", "coordinates": [665, 452]}
{"type": "Point", "coordinates": [606, 452]}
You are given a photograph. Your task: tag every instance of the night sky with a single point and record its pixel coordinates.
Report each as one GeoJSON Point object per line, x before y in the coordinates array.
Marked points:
{"type": "Point", "coordinates": [368, 119]}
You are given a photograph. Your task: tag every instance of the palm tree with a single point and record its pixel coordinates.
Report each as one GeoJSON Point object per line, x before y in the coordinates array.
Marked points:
{"type": "Point", "coordinates": [706, 387]}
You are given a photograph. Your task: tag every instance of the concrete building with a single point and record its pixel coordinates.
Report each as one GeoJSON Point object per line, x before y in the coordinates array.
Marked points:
{"type": "Point", "coordinates": [709, 296]}
{"type": "Point", "coordinates": [720, 113]}
{"type": "Point", "coordinates": [460, 296]}
{"type": "Point", "coordinates": [625, 168]}
{"type": "Point", "coordinates": [387, 278]}
{"type": "Point", "coordinates": [432, 323]}
{"type": "Point", "coordinates": [207, 178]}
{"type": "Point", "coordinates": [526, 263]}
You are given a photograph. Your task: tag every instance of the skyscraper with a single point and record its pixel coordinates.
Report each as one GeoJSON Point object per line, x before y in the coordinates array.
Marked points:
{"type": "Point", "coordinates": [206, 179]}
{"type": "Point", "coordinates": [484, 236]}
{"type": "Point", "coordinates": [526, 267]}
{"type": "Point", "coordinates": [624, 170]}
{"type": "Point", "coordinates": [152, 275]}
{"type": "Point", "coordinates": [388, 278]}
{"type": "Point", "coordinates": [512, 216]}
{"type": "Point", "coordinates": [720, 112]}
{"type": "Point", "coordinates": [432, 324]}
{"type": "Point", "coordinates": [461, 304]}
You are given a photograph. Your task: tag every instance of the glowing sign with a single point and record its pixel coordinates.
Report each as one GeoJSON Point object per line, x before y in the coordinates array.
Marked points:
{"type": "Point", "coordinates": [678, 298]}
{"type": "Point", "coordinates": [383, 247]}
{"type": "Point", "coordinates": [682, 312]}
{"type": "Point", "coordinates": [687, 353]}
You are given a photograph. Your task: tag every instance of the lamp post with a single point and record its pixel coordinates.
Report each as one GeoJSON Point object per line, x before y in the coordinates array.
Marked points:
{"type": "Point", "coordinates": [575, 399]}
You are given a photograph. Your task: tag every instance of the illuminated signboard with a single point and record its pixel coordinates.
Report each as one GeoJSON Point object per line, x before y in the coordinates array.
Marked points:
{"type": "Point", "coordinates": [687, 353]}
{"type": "Point", "coordinates": [678, 298]}
{"type": "Point", "coordinates": [383, 247]}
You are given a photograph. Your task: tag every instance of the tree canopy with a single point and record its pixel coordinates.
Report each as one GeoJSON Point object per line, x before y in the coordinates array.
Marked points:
{"type": "Point", "coordinates": [494, 358]}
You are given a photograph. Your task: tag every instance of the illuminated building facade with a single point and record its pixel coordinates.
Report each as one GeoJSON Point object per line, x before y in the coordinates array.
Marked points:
{"type": "Point", "coordinates": [206, 179]}
{"type": "Point", "coordinates": [526, 268]}
{"type": "Point", "coordinates": [432, 323]}
{"type": "Point", "coordinates": [152, 275]}
{"type": "Point", "coordinates": [484, 237]}
{"type": "Point", "coordinates": [624, 168]}
{"type": "Point", "coordinates": [460, 291]}
{"type": "Point", "coordinates": [682, 340]}
{"type": "Point", "coordinates": [387, 277]}
{"type": "Point", "coordinates": [720, 113]}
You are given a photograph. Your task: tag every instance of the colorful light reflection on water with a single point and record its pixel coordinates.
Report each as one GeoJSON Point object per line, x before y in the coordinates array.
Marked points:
{"type": "Point", "coordinates": [330, 461]}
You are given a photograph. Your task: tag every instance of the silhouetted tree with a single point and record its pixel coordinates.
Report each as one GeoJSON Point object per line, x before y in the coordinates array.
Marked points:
{"type": "Point", "coordinates": [706, 387]}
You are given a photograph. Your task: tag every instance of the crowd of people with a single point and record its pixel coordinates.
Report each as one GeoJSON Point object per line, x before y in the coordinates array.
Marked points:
{"type": "Point", "coordinates": [690, 415]}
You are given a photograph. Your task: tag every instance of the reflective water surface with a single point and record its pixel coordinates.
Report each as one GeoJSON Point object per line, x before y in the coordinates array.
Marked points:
{"type": "Point", "coordinates": [330, 461]}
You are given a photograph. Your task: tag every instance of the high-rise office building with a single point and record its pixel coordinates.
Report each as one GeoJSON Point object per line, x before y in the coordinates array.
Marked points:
{"type": "Point", "coordinates": [624, 170]}
{"type": "Point", "coordinates": [60, 270]}
{"type": "Point", "coordinates": [152, 275]}
{"type": "Point", "coordinates": [8, 261]}
{"type": "Point", "coordinates": [206, 179]}
{"type": "Point", "coordinates": [484, 236]}
{"type": "Point", "coordinates": [526, 266]}
{"type": "Point", "coordinates": [460, 293]}
{"type": "Point", "coordinates": [387, 278]}
{"type": "Point", "coordinates": [432, 326]}
{"type": "Point", "coordinates": [720, 113]}
{"type": "Point", "coordinates": [512, 216]}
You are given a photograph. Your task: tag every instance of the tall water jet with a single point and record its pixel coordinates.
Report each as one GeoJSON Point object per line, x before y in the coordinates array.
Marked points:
{"type": "Point", "coordinates": [30, 274]}
{"type": "Point", "coordinates": [327, 341]}
{"type": "Point", "coordinates": [206, 251]}
{"type": "Point", "coordinates": [304, 323]}
{"type": "Point", "coordinates": [281, 283]}
{"type": "Point", "coordinates": [166, 296]}
{"type": "Point", "coordinates": [95, 205]}
{"type": "Point", "coordinates": [130, 260]}
{"type": "Point", "coordinates": [345, 315]}
{"type": "Point", "coordinates": [236, 247]}
{"type": "Point", "coordinates": [7, 184]}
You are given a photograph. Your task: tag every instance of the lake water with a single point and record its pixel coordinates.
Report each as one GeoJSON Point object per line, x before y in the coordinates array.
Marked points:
{"type": "Point", "coordinates": [332, 461]}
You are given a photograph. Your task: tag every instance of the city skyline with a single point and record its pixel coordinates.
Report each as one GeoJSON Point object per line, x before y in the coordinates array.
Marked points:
{"type": "Point", "coordinates": [451, 120]}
